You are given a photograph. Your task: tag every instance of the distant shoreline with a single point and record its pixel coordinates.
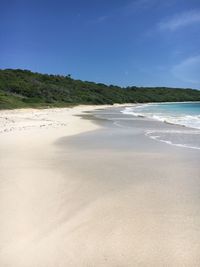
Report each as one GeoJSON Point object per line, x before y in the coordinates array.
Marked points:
{"type": "Point", "coordinates": [88, 105]}
{"type": "Point", "coordinates": [23, 88]}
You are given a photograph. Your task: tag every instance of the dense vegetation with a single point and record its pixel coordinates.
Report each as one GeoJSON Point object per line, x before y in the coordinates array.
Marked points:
{"type": "Point", "coordinates": [23, 88]}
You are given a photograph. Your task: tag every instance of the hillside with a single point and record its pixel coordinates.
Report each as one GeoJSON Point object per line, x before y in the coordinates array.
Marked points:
{"type": "Point", "coordinates": [23, 88]}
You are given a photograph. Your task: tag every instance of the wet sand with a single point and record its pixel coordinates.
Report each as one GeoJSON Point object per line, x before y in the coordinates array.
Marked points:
{"type": "Point", "coordinates": [107, 197]}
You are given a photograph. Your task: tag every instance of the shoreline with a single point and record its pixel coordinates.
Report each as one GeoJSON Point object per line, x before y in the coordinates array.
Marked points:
{"type": "Point", "coordinates": [69, 182]}
{"type": "Point", "coordinates": [165, 117]}
{"type": "Point", "coordinates": [53, 118]}
{"type": "Point", "coordinates": [85, 108]}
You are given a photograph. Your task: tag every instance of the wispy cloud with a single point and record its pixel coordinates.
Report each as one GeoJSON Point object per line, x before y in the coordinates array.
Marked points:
{"type": "Point", "coordinates": [140, 4]}
{"type": "Point", "coordinates": [125, 10]}
{"type": "Point", "coordinates": [137, 5]}
{"type": "Point", "coordinates": [101, 19]}
{"type": "Point", "coordinates": [188, 70]}
{"type": "Point", "coordinates": [180, 20]}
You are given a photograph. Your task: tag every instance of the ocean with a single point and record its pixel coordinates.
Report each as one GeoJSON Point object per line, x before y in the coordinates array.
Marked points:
{"type": "Point", "coordinates": [186, 114]}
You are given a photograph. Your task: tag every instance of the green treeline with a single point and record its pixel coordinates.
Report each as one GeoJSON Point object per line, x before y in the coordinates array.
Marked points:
{"type": "Point", "coordinates": [23, 88]}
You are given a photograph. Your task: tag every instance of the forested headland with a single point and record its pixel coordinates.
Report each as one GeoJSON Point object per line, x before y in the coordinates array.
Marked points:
{"type": "Point", "coordinates": [23, 88]}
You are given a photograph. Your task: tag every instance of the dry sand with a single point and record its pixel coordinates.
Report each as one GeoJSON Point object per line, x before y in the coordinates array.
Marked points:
{"type": "Point", "coordinates": [85, 200]}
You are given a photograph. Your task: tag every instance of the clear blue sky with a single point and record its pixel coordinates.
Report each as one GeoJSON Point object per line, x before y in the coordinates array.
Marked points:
{"type": "Point", "coordinates": [123, 42]}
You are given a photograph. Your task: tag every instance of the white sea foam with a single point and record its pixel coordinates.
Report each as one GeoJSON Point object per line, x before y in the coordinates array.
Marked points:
{"type": "Point", "coordinates": [189, 138]}
{"type": "Point", "coordinates": [191, 121]}
{"type": "Point", "coordinates": [164, 136]}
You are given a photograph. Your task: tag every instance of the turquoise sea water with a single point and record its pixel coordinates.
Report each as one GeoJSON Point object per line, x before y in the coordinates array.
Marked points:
{"type": "Point", "coordinates": [186, 114]}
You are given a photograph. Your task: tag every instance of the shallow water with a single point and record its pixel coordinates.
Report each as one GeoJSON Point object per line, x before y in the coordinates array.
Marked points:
{"type": "Point", "coordinates": [184, 114]}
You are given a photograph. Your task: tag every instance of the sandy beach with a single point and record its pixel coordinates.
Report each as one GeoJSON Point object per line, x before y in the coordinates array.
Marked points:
{"type": "Point", "coordinates": [86, 187]}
